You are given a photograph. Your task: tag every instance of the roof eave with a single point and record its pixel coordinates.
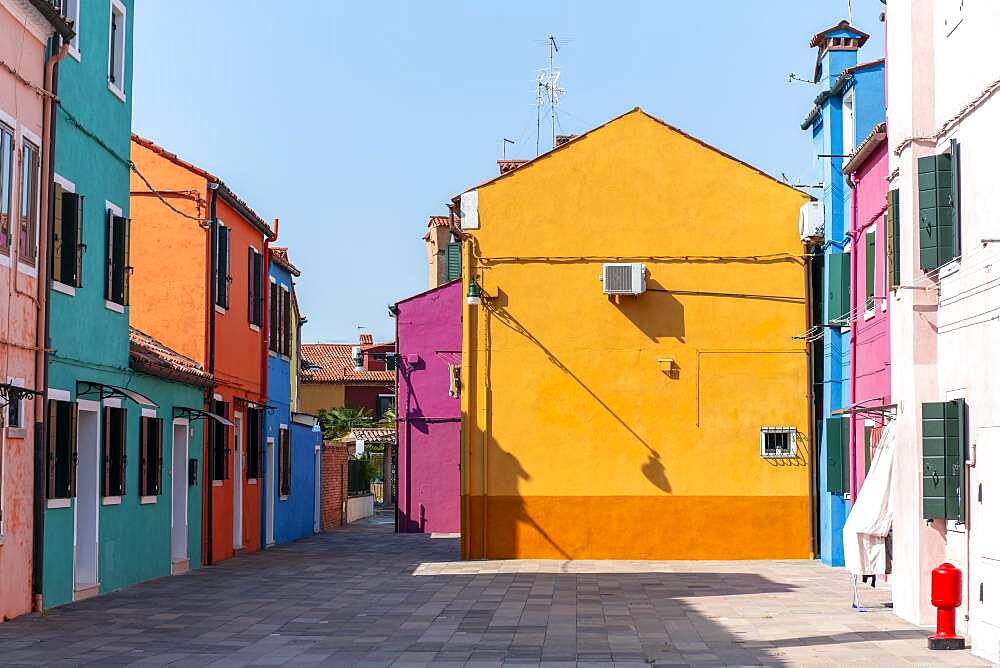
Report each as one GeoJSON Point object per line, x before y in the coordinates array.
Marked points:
{"type": "Point", "coordinates": [867, 148]}
{"type": "Point", "coordinates": [55, 19]}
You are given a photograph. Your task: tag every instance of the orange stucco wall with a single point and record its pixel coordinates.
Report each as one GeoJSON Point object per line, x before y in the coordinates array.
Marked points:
{"type": "Point", "coordinates": [22, 111]}
{"type": "Point", "coordinates": [172, 302]}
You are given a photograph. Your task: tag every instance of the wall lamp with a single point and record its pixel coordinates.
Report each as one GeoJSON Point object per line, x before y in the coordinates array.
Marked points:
{"type": "Point", "coordinates": [473, 298]}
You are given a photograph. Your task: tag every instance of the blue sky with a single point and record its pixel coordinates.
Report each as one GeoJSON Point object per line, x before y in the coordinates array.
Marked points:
{"type": "Point", "coordinates": [353, 122]}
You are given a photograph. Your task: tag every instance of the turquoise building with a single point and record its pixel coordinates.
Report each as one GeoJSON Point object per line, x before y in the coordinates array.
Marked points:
{"type": "Point", "coordinates": [292, 462]}
{"type": "Point", "coordinates": [121, 454]}
{"type": "Point", "coordinates": [850, 103]}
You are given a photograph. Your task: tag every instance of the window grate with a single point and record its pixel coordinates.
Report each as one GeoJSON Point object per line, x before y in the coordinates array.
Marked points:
{"type": "Point", "coordinates": [778, 442]}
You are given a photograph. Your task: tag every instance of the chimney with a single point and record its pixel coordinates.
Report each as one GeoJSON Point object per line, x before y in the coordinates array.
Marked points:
{"type": "Point", "coordinates": [562, 139]}
{"type": "Point", "coordinates": [366, 339]}
{"type": "Point", "coordinates": [436, 241]}
{"type": "Point", "coordinates": [836, 50]}
{"type": "Point", "coordinates": [509, 165]}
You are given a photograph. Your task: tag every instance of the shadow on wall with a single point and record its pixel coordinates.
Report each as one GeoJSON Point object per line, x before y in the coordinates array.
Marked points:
{"type": "Point", "coordinates": [658, 314]}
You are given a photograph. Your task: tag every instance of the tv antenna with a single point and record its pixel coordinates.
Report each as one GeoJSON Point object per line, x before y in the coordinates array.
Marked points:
{"type": "Point", "coordinates": [548, 87]}
{"type": "Point", "coordinates": [505, 142]}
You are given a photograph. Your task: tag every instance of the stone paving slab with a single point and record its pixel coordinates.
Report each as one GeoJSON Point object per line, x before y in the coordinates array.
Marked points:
{"type": "Point", "coordinates": [367, 597]}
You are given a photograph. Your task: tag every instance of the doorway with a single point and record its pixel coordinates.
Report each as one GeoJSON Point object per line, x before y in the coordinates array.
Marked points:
{"type": "Point", "coordinates": [178, 494]}
{"type": "Point", "coordinates": [271, 482]}
{"type": "Point", "coordinates": [88, 495]}
{"type": "Point", "coordinates": [317, 471]}
{"type": "Point", "coordinates": [238, 482]}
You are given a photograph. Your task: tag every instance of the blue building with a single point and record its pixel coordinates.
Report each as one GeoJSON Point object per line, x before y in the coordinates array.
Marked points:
{"type": "Point", "coordinates": [850, 103]}
{"type": "Point", "coordinates": [291, 465]}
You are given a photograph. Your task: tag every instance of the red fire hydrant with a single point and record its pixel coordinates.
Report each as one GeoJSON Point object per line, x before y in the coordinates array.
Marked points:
{"type": "Point", "coordinates": [946, 595]}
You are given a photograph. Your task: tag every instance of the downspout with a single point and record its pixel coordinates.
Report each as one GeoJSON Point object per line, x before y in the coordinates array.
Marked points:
{"type": "Point", "coordinates": [855, 293]}
{"type": "Point", "coordinates": [42, 318]}
{"type": "Point", "coordinates": [212, 288]}
{"type": "Point", "coordinates": [400, 421]}
{"type": "Point", "coordinates": [813, 445]}
{"type": "Point", "coordinates": [264, 339]}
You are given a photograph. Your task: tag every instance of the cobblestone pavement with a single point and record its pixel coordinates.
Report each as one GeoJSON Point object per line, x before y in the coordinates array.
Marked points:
{"type": "Point", "coordinates": [365, 596]}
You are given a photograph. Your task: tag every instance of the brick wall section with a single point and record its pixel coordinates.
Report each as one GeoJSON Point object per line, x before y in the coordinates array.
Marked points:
{"type": "Point", "coordinates": [333, 494]}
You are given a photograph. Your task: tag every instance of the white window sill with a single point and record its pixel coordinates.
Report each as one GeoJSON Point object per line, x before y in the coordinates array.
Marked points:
{"type": "Point", "coordinates": [283, 498]}
{"type": "Point", "coordinates": [16, 432]}
{"type": "Point", "coordinates": [885, 305]}
{"type": "Point", "coordinates": [216, 483]}
{"type": "Point", "coordinates": [58, 503]}
{"type": "Point", "coordinates": [1, 539]}
{"type": "Point", "coordinates": [147, 500]}
{"type": "Point", "coordinates": [950, 267]}
{"type": "Point", "coordinates": [63, 288]}
{"type": "Point", "coordinates": [869, 315]}
{"type": "Point", "coordinates": [116, 91]}
{"type": "Point", "coordinates": [5, 258]}
{"type": "Point", "coordinates": [252, 481]}
{"type": "Point", "coordinates": [27, 269]}
{"type": "Point", "coordinates": [114, 306]}
{"type": "Point", "coordinates": [271, 353]}
{"type": "Point", "coordinates": [111, 501]}
{"type": "Point", "coordinates": [255, 328]}
{"type": "Point", "coordinates": [221, 309]}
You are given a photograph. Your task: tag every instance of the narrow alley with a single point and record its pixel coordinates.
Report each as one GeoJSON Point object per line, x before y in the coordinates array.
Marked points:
{"type": "Point", "coordinates": [367, 596]}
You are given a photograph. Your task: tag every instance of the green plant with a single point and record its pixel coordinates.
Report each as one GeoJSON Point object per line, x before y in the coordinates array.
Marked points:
{"type": "Point", "coordinates": [339, 422]}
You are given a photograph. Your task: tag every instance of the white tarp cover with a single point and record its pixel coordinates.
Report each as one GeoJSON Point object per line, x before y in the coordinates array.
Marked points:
{"type": "Point", "coordinates": [871, 516]}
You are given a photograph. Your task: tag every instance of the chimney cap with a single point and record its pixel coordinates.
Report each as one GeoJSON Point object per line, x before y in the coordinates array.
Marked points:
{"type": "Point", "coordinates": [842, 36]}
{"type": "Point", "coordinates": [509, 165]}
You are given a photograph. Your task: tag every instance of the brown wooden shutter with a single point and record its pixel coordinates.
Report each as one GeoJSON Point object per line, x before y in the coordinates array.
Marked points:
{"type": "Point", "coordinates": [107, 451]}
{"type": "Point", "coordinates": [53, 420]}
{"type": "Point", "coordinates": [57, 233]}
{"type": "Point", "coordinates": [122, 450]}
{"type": "Point", "coordinates": [109, 256]}
{"type": "Point", "coordinates": [158, 478]}
{"type": "Point", "coordinates": [272, 324]}
{"type": "Point", "coordinates": [251, 288]}
{"type": "Point", "coordinates": [143, 458]}
{"type": "Point", "coordinates": [72, 450]}
{"type": "Point", "coordinates": [260, 443]}
{"type": "Point", "coordinates": [125, 253]}
{"type": "Point", "coordinates": [69, 246]}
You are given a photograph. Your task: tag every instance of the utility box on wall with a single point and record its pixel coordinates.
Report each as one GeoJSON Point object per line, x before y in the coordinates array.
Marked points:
{"type": "Point", "coordinates": [624, 278]}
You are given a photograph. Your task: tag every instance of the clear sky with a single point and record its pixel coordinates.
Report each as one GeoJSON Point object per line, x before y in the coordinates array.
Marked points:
{"type": "Point", "coordinates": [353, 122]}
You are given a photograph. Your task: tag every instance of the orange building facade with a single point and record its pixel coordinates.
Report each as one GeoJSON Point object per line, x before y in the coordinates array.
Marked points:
{"type": "Point", "coordinates": [199, 263]}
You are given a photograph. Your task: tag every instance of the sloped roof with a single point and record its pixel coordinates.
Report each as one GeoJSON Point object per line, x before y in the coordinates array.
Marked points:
{"type": "Point", "coordinates": [439, 221]}
{"type": "Point", "coordinates": [636, 110]}
{"type": "Point", "coordinates": [228, 195]}
{"type": "Point", "coordinates": [279, 255]}
{"type": "Point", "coordinates": [154, 357]}
{"type": "Point", "coordinates": [817, 39]}
{"type": "Point", "coordinates": [867, 147]}
{"type": "Point", "coordinates": [336, 365]}
{"type": "Point", "coordinates": [385, 435]}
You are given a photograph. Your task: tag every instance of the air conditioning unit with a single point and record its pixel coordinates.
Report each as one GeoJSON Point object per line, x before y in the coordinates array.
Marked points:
{"type": "Point", "coordinates": [624, 278]}
{"type": "Point", "coordinates": [811, 221]}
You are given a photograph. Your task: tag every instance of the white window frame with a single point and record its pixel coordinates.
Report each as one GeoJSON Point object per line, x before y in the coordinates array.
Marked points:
{"type": "Point", "coordinates": [12, 124]}
{"type": "Point", "coordinates": [229, 266]}
{"type": "Point", "coordinates": [20, 431]}
{"type": "Point", "coordinates": [848, 121]}
{"type": "Point", "coordinates": [791, 452]}
{"type": "Point", "coordinates": [117, 210]}
{"type": "Point", "coordinates": [281, 316]}
{"type": "Point", "coordinates": [72, 11]}
{"type": "Point", "coordinates": [870, 312]}
{"type": "Point", "coordinates": [70, 187]}
{"type": "Point", "coordinates": [116, 89]}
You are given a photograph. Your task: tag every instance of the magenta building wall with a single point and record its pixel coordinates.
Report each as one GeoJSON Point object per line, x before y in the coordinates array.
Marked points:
{"type": "Point", "coordinates": [429, 339]}
{"type": "Point", "coordinates": [870, 358]}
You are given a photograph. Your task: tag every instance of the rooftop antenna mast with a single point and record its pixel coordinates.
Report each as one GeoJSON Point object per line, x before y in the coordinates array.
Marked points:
{"type": "Point", "coordinates": [505, 142]}
{"type": "Point", "coordinates": [547, 87]}
{"type": "Point", "coordinates": [850, 14]}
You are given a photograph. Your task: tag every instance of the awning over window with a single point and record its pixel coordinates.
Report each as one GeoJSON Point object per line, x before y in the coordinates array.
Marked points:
{"type": "Point", "coordinates": [195, 414]}
{"type": "Point", "coordinates": [13, 393]}
{"type": "Point", "coordinates": [86, 388]}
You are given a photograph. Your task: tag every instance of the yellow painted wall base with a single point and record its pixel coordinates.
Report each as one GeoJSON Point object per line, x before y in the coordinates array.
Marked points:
{"type": "Point", "coordinates": [639, 527]}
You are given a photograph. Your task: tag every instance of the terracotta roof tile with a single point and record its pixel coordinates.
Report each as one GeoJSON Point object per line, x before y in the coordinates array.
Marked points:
{"type": "Point", "coordinates": [817, 39]}
{"type": "Point", "coordinates": [439, 221]}
{"type": "Point", "coordinates": [373, 435]}
{"type": "Point", "coordinates": [337, 365]}
{"type": "Point", "coordinates": [279, 256]}
{"type": "Point", "coordinates": [152, 356]}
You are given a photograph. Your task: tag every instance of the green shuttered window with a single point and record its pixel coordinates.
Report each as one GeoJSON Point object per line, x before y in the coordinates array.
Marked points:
{"type": "Point", "coordinates": [944, 448]}
{"type": "Point", "coordinates": [838, 301]}
{"type": "Point", "coordinates": [222, 275]}
{"type": "Point", "coordinates": [67, 237]}
{"type": "Point", "coordinates": [939, 231]}
{"type": "Point", "coordinates": [453, 261]}
{"type": "Point", "coordinates": [892, 241]}
{"type": "Point", "coordinates": [117, 247]}
{"type": "Point", "coordinates": [61, 452]}
{"type": "Point", "coordinates": [838, 475]}
{"type": "Point", "coordinates": [870, 269]}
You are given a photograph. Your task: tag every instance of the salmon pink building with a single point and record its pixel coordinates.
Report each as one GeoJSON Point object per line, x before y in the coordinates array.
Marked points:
{"type": "Point", "coordinates": [25, 29]}
{"type": "Point", "coordinates": [873, 274]}
{"type": "Point", "coordinates": [429, 342]}
{"type": "Point", "coordinates": [200, 279]}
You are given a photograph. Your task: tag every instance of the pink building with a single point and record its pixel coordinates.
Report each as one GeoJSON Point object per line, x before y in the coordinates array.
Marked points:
{"type": "Point", "coordinates": [871, 281]}
{"type": "Point", "coordinates": [429, 343]}
{"type": "Point", "coordinates": [25, 82]}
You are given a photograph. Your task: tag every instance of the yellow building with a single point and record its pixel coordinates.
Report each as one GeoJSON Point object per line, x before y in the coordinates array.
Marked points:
{"type": "Point", "coordinates": [673, 424]}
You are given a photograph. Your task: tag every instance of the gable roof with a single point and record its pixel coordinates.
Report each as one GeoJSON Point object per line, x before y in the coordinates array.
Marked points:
{"type": "Point", "coordinates": [231, 198]}
{"type": "Point", "coordinates": [843, 26]}
{"type": "Point", "coordinates": [154, 357]}
{"type": "Point", "coordinates": [385, 435]}
{"type": "Point", "coordinates": [336, 365]}
{"type": "Point", "coordinates": [836, 89]}
{"type": "Point", "coordinates": [636, 110]}
{"type": "Point", "coordinates": [279, 255]}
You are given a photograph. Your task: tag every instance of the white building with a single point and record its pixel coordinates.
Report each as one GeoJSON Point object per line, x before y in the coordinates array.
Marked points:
{"type": "Point", "coordinates": [943, 104]}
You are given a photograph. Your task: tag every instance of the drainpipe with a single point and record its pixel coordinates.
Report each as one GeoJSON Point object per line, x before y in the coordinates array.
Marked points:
{"type": "Point", "coordinates": [42, 318]}
{"type": "Point", "coordinates": [853, 417]}
{"type": "Point", "coordinates": [213, 230]}
{"type": "Point", "coordinates": [813, 445]}
{"type": "Point", "coordinates": [264, 338]}
{"type": "Point", "coordinates": [400, 421]}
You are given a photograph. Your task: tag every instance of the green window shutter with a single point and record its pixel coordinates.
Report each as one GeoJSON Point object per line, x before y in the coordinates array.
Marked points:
{"type": "Point", "coordinates": [892, 240]}
{"type": "Point", "coordinates": [838, 286]}
{"type": "Point", "coordinates": [868, 447]}
{"type": "Point", "coordinates": [453, 261]}
{"type": "Point", "coordinates": [944, 439]}
{"type": "Point", "coordinates": [870, 269]}
{"type": "Point", "coordinates": [938, 224]}
{"type": "Point", "coordinates": [837, 472]}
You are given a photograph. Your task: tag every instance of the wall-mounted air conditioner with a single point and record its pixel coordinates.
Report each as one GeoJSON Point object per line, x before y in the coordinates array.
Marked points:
{"type": "Point", "coordinates": [624, 278]}
{"type": "Point", "coordinates": [811, 222]}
